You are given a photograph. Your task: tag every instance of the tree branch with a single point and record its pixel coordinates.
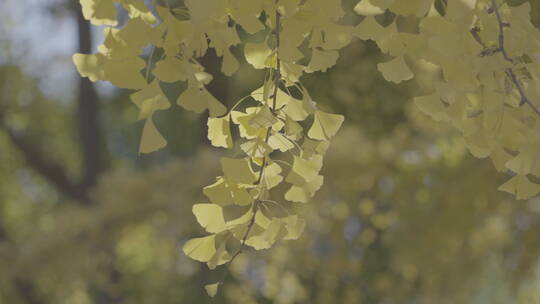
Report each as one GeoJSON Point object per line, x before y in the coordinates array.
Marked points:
{"type": "Point", "coordinates": [509, 72]}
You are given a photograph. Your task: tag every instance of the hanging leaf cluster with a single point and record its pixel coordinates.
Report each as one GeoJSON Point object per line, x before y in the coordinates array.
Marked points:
{"type": "Point", "coordinates": [486, 55]}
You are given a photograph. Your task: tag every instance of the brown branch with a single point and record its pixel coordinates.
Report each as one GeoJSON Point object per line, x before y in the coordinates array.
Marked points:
{"type": "Point", "coordinates": [256, 203]}
{"type": "Point", "coordinates": [509, 72]}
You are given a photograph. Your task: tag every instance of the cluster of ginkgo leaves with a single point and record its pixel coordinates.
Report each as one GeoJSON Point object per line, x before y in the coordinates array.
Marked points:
{"type": "Point", "coordinates": [488, 56]}
{"type": "Point", "coordinates": [486, 51]}
{"type": "Point", "coordinates": [276, 121]}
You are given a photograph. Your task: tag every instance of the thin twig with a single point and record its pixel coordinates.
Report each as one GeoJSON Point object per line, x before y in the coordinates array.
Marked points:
{"type": "Point", "coordinates": [258, 201]}
{"type": "Point", "coordinates": [509, 72]}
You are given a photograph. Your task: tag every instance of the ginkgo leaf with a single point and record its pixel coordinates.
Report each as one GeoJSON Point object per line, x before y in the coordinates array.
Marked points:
{"type": "Point", "coordinates": [280, 142]}
{"type": "Point", "coordinates": [431, 105]}
{"type": "Point", "coordinates": [365, 8]}
{"type": "Point", "coordinates": [149, 100]}
{"type": "Point", "coordinates": [297, 109]}
{"type": "Point", "coordinates": [138, 9]}
{"type": "Point", "coordinates": [521, 187]}
{"type": "Point", "coordinates": [99, 12]}
{"type": "Point", "coordinates": [170, 69]}
{"type": "Point", "coordinates": [238, 170]}
{"type": "Point", "coordinates": [272, 175]}
{"type": "Point", "coordinates": [303, 193]}
{"type": "Point", "coordinates": [210, 217]}
{"type": "Point", "coordinates": [257, 147]}
{"type": "Point", "coordinates": [396, 70]}
{"type": "Point", "coordinates": [246, 13]}
{"type": "Point", "coordinates": [221, 257]}
{"type": "Point", "coordinates": [267, 237]}
{"type": "Point", "coordinates": [199, 100]}
{"type": "Point", "coordinates": [263, 119]}
{"type": "Point", "coordinates": [151, 139]}
{"type": "Point", "coordinates": [304, 170]}
{"type": "Point", "coordinates": [292, 129]}
{"type": "Point", "coordinates": [219, 131]}
{"type": "Point", "coordinates": [90, 66]}
{"type": "Point", "coordinates": [201, 249]}
{"type": "Point", "coordinates": [219, 193]}
{"type": "Point", "coordinates": [314, 147]}
{"type": "Point", "coordinates": [294, 226]}
{"type": "Point", "coordinates": [325, 125]}
{"type": "Point", "coordinates": [246, 129]}
{"type": "Point", "coordinates": [125, 72]}
{"type": "Point", "coordinates": [257, 54]}
{"type": "Point", "coordinates": [212, 289]}
{"type": "Point", "coordinates": [242, 220]}
{"type": "Point", "coordinates": [322, 61]}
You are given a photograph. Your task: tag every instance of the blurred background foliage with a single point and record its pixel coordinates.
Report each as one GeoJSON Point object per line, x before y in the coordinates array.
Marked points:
{"type": "Point", "coordinates": [406, 215]}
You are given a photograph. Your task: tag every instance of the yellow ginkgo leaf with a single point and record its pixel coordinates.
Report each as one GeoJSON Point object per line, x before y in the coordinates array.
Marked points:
{"type": "Point", "coordinates": [219, 192]}
{"type": "Point", "coordinates": [267, 237]}
{"type": "Point", "coordinates": [521, 187]}
{"type": "Point", "coordinates": [302, 194]}
{"type": "Point", "coordinates": [396, 70]}
{"type": "Point", "coordinates": [256, 54]}
{"type": "Point", "coordinates": [238, 170]}
{"type": "Point", "coordinates": [325, 125]}
{"type": "Point", "coordinates": [211, 289]}
{"type": "Point", "coordinates": [432, 105]}
{"type": "Point", "coordinates": [241, 220]}
{"type": "Point", "coordinates": [171, 69]}
{"type": "Point", "coordinates": [365, 8]}
{"type": "Point", "coordinates": [272, 175]}
{"type": "Point", "coordinates": [293, 129]}
{"type": "Point", "coordinates": [151, 139]}
{"type": "Point", "coordinates": [246, 13]}
{"type": "Point", "coordinates": [304, 170]}
{"type": "Point", "coordinates": [125, 72]}
{"type": "Point", "coordinates": [210, 217]}
{"type": "Point", "coordinates": [90, 66]}
{"type": "Point", "coordinates": [138, 9]}
{"type": "Point", "coordinates": [263, 119]}
{"type": "Point", "coordinates": [201, 249]}
{"type": "Point", "coordinates": [150, 99]}
{"type": "Point", "coordinates": [221, 257]}
{"type": "Point", "coordinates": [294, 226]}
{"type": "Point", "coordinates": [298, 110]}
{"type": "Point", "coordinates": [219, 131]}
{"type": "Point", "coordinates": [199, 99]}
{"type": "Point", "coordinates": [278, 141]}
{"type": "Point", "coordinates": [257, 147]}
{"type": "Point", "coordinates": [99, 12]}
{"type": "Point", "coordinates": [322, 61]}
{"type": "Point", "coordinates": [242, 120]}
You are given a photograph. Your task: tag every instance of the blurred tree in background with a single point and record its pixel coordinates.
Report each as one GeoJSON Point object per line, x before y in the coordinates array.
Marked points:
{"type": "Point", "coordinates": [406, 214]}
